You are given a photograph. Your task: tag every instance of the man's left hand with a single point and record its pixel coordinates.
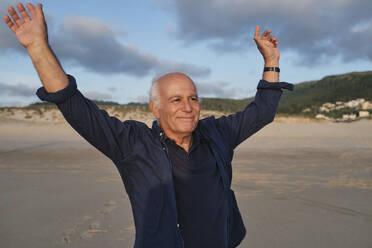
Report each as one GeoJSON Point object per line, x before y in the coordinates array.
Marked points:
{"type": "Point", "coordinates": [267, 44]}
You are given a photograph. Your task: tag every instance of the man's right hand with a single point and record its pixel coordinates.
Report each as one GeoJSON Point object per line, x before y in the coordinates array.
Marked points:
{"type": "Point", "coordinates": [30, 31]}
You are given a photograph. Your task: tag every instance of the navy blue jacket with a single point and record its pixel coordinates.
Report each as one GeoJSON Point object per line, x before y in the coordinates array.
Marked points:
{"type": "Point", "coordinates": [143, 163]}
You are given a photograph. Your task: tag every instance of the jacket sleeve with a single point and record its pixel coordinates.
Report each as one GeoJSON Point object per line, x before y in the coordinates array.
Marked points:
{"type": "Point", "coordinates": [108, 134]}
{"type": "Point", "coordinates": [237, 127]}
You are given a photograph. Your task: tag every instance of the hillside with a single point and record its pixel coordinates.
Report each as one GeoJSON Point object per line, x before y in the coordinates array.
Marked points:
{"type": "Point", "coordinates": [346, 92]}
{"type": "Point", "coordinates": [340, 97]}
{"type": "Point", "coordinates": [344, 88]}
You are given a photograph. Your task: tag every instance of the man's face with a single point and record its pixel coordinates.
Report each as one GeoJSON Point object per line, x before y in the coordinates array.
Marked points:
{"type": "Point", "coordinates": [179, 106]}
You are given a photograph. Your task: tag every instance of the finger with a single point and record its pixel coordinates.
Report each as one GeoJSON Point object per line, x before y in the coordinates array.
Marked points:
{"type": "Point", "coordinates": [265, 34]}
{"type": "Point", "coordinates": [271, 38]}
{"type": "Point", "coordinates": [31, 9]}
{"type": "Point", "coordinates": [15, 16]}
{"type": "Point", "coordinates": [257, 32]}
{"type": "Point", "coordinates": [10, 24]}
{"type": "Point", "coordinates": [23, 12]}
{"type": "Point", "coordinates": [39, 10]}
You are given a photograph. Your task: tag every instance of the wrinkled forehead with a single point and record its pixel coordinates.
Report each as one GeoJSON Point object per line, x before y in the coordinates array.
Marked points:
{"type": "Point", "coordinates": [176, 83]}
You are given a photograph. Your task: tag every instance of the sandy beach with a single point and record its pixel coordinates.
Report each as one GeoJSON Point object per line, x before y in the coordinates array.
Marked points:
{"type": "Point", "coordinates": [298, 184]}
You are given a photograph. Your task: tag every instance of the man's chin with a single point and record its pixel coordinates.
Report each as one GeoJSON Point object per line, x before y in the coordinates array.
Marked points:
{"type": "Point", "coordinates": [187, 128]}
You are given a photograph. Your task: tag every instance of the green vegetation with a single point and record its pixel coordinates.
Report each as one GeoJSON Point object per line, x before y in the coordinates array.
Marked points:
{"type": "Point", "coordinates": [224, 105]}
{"type": "Point", "coordinates": [313, 94]}
{"type": "Point", "coordinates": [339, 113]}
{"type": "Point", "coordinates": [308, 95]}
{"type": "Point", "coordinates": [38, 105]}
{"type": "Point", "coordinates": [103, 104]}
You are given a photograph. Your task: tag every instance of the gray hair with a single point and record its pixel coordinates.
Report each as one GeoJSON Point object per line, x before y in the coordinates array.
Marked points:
{"type": "Point", "coordinates": [154, 91]}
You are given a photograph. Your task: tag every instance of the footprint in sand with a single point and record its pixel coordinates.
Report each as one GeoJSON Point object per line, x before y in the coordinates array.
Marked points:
{"type": "Point", "coordinates": [94, 228]}
{"type": "Point", "coordinates": [94, 225]}
{"type": "Point", "coordinates": [66, 236]}
{"type": "Point", "coordinates": [109, 207]}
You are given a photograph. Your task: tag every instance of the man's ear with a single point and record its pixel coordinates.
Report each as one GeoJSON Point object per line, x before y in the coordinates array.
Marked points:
{"type": "Point", "coordinates": [154, 110]}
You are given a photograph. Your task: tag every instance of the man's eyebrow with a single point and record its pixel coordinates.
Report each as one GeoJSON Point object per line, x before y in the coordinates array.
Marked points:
{"type": "Point", "coordinates": [173, 96]}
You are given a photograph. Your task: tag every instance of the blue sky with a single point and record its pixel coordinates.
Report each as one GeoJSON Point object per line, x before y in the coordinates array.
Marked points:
{"type": "Point", "coordinates": [115, 48]}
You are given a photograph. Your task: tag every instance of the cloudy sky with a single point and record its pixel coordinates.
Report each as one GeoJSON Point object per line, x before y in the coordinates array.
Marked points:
{"type": "Point", "coordinates": [115, 48]}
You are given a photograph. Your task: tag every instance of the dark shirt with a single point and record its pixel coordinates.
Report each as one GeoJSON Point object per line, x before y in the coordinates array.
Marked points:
{"type": "Point", "coordinates": [144, 165]}
{"type": "Point", "coordinates": [201, 202]}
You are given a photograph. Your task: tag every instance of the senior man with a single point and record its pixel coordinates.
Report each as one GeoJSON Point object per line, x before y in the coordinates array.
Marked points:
{"type": "Point", "coordinates": [178, 173]}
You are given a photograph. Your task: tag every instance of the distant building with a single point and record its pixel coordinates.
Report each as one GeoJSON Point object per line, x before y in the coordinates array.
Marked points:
{"type": "Point", "coordinates": [349, 116]}
{"type": "Point", "coordinates": [324, 109]}
{"type": "Point", "coordinates": [363, 114]}
{"type": "Point", "coordinates": [359, 104]}
{"type": "Point", "coordinates": [367, 105]}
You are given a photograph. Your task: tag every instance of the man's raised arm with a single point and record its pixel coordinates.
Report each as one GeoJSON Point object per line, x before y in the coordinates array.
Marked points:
{"type": "Point", "coordinates": [31, 32]}
{"type": "Point", "coordinates": [261, 111]}
{"type": "Point", "coordinates": [108, 134]}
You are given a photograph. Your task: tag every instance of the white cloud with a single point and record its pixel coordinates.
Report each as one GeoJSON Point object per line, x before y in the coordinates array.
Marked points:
{"type": "Point", "coordinates": [95, 95]}
{"type": "Point", "coordinates": [8, 39]}
{"type": "Point", "coordinates": [216, 89]}
{"type": "Point", "coordinates": [16, 90]}
{"type": "Point", "coordinates": [93, 45]}
{"type": "Point", "coordinates": [112, 89]}
{"type": "Point", "coordinates": [141, 99]}
{"type": "Point", "coordinates": [315, 29]}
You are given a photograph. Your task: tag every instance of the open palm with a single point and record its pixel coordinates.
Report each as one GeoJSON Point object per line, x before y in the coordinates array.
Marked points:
{"type": "Point", "coordinates": [28, 30]}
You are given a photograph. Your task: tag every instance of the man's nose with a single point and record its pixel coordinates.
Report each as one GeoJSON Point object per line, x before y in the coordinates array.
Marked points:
{"type": "Point", "coordinates": [187, 106]}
